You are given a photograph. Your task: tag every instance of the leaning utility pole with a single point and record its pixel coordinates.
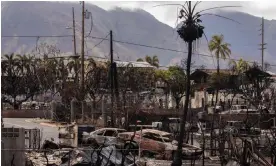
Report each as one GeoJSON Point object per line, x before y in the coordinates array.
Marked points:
{"type": "Point", "coordinates": [111, 79]}
{"type": "Point", "coordinates": [262, 44]}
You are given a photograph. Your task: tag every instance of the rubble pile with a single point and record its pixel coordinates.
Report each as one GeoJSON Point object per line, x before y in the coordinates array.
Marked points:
{"type": "Point", "coordinates": [102, 156]}
{"type": "Point", "coordinates": [112, 147]}
{"type": "Point", "coordinates": [39, 159]}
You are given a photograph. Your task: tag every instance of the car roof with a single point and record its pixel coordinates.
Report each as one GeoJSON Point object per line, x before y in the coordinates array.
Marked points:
{"type": "Point", "coordinates": [110, 129]}
{"type": "Point", "coordinates": [155, 132]}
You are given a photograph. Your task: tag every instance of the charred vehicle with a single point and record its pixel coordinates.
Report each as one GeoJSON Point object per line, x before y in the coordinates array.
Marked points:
{"type": "Point", "coordinates": [156, 143]}
{"type": "Point", "coordinates": [102, 136]}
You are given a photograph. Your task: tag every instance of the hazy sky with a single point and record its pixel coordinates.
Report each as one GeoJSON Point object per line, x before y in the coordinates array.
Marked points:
{"type": "Point", "coordinates": [167, 14]}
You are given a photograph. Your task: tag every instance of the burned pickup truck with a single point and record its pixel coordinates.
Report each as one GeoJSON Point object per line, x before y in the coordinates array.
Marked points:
{"type": "Point", "coordinates": [158, 144]}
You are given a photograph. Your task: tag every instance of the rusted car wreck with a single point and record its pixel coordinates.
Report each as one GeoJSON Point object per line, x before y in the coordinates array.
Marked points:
{"type": "Point", "coordinates": [159, 144]}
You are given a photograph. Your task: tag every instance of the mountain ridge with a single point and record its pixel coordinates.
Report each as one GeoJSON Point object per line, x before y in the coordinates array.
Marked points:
{"type": "Point", "coordinates": [133, 25]}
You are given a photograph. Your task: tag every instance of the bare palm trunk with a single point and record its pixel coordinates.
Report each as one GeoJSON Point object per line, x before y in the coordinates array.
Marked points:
{"type": "Point", "coordinates": [178, 157]}
{"type": "Point", "coordinates": [213, 116]}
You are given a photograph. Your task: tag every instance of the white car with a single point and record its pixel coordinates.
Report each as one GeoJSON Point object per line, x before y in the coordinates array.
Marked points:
{"type": "Point", "coordinates": [236, 109]}
{"type": "Point", "coordinates": [102, 136]}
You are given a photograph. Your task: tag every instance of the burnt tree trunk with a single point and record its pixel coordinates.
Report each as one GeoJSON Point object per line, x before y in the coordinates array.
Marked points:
{"type": "Point", "coordinates": [178, 157]}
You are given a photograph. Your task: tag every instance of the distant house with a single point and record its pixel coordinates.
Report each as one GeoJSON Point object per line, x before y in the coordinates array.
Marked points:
{"type": "Point", "coordinates": [273, 76]}
{"type": "Point", "coordinates": [204, 94]}
{"type": "Point", "coordinates": [135, 64]}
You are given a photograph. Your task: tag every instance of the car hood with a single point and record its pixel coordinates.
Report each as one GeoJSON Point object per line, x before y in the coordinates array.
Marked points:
{"type": "Point", "coordinates": [185, 147]}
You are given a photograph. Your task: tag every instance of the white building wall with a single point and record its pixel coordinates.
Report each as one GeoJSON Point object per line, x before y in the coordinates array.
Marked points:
{"type": "Point", "coordinates": [13, 140]}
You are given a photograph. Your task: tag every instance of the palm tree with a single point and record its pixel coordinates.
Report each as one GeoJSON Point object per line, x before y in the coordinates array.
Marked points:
{"type": "Point", "coordinates": [27, 64]}
{"type": "Point", "coordinates": [11, 69]}
{"type": "Point", "coordinates": [19, 79]}
{"type": "Point", "coordinates": [154, 61]}
{"type": "Point", "coordinates": [220, 48]}
{"type": "Point", "coordinates": [190, 30]}
{"type": "Point", "coordinates": [10, 64]}
{"type": "Point", "coordinates": [239, 67]}
{"type": "Point", "coordinates": [139, 60]}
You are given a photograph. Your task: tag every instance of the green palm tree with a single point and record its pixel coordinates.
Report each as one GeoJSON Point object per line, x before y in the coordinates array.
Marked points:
{"type": "Point", "coordinates": [10, 64]}
{"type": "Point", "coordinates": [27, 64]}
{"type": "Point", "coordinates": [239, 66]}
{"type": "Point", "coordinates": [154, 61]}
{"type": "Point", "coordinates": [139, 60]}
{"type": "Point", "coordinates": [220, 48]}
{"type": "Point", "coordinates": [19, 78]}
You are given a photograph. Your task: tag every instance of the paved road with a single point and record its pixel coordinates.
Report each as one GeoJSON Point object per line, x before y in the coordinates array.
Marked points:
{"type": "Point", "coordinates": [47, 132]}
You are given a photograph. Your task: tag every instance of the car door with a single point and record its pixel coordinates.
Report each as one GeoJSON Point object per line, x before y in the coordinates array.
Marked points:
{"type": "Point", "coordinates": [151, 142]}
{"type": "Point", "coordinates": [110, 136]}
{"type": "Point", "coordinates": [99, 136]}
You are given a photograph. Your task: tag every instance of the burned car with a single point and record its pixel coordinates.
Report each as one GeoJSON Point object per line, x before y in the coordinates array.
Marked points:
{"type": "Point", "coordinates": [156, 143]}
{"type": "Point", "coordinates": [107, 136]}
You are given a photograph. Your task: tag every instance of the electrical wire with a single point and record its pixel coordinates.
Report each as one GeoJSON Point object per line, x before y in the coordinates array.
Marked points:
{"type": "Point", "coordinates": [98, 43]}
{"type": "Point", "coordinates": [142, 45]}
{"type": "Point", "coordinates": [101, 40]}
{"type": "Point", "coordinates": [173, 50]}
{"type": "Point", "coordinates": [30, 36]}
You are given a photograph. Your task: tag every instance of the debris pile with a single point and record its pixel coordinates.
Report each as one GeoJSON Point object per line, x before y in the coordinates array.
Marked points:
{"type": "Point", "coordinates": [52, 155]}
{"type": "Point", "coordinates": [112, 147]}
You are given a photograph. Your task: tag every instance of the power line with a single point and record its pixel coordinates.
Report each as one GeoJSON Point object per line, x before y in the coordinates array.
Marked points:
{"type": "Point", "coordinates": [143, 45]}
{"type": "Point", "coordinates": [98, 43]}
{"type": "Point", "coordinates": [32, 36]}
{"type": "Point", "coordinates": [173, 50]}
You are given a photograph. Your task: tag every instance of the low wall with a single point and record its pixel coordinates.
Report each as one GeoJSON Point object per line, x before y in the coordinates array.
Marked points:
{"type": "Point", "coordinates": [26, 114]}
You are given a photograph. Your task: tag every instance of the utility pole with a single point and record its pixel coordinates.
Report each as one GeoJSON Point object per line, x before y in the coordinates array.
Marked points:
{"type": "Point", "coordinates": [263, 43]}
{"type": "Point", "coordinates": [82, 53]}
{"type": "Point", "coordinates": [74, 32]}
{"type": "Point", "coordinates": [111, 79]}
{"type": "Point", "coordinates": [75, 50]}
{"type": "Point", "coordinates": [82, 64]}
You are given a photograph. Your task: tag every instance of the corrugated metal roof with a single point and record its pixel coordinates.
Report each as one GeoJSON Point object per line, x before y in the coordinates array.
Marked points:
{"type": "Point", "coordinates": [135, 64]}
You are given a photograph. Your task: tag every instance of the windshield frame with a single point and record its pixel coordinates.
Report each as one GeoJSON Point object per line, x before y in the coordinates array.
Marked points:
{"type": "Point", "coordinates": [169, 136]}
